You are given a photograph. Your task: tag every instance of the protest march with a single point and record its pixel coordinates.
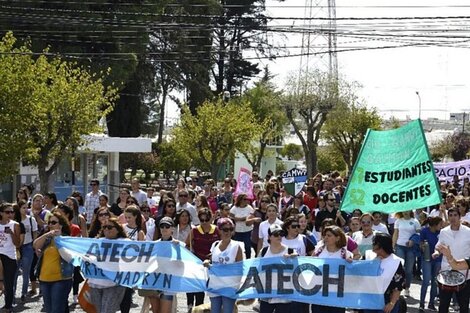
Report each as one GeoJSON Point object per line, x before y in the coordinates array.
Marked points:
{"type": "Point", "coordinates": [288, 242]}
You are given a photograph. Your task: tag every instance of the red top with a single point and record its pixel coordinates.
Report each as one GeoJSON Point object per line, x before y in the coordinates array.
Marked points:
{"type": "Point", "coordinates": [75, 230]}
{"type": "Point", "coordinates": [202, 242]}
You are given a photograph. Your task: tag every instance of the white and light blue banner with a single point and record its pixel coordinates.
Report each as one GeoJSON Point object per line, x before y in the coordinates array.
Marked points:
{"type": "Point", "coordinates": [170, 267]}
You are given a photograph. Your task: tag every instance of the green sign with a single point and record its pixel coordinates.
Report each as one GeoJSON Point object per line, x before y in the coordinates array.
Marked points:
{"type": "Point", "coordinates": [393, 172]}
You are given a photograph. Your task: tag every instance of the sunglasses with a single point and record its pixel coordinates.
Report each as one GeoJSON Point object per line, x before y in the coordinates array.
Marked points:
{"type": "Point", "coordinates": [104, 214]}
{"type": "Point", "coordinates": [170, 205]}
{"type": "Point", "coordinates": [8, 212]}
{"type": "Point", "coordinates": [165, 226]}
{"type": "Point", "coordinates": [277, 234]}
{"type": "Point", "coordinates": [365, 222]}
{"type": "Point", "coordinates": [53, 222]}
{"type": "Point", "coordinates": [203, 220]}
{"type": "Point", "coordinates": [294, 226]}
{"type": "Point", "coordinates": [227, 230]}
{"type": "Point", "coordinates": [93, 184]}
{"type": "Point", "coordinates": [145, 211]}
{"type": "Point", "coordinates": [108, 227]}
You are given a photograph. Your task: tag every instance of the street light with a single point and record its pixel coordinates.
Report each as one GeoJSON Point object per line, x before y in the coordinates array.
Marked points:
{"type": "Point", "coordinates": [419, 110]}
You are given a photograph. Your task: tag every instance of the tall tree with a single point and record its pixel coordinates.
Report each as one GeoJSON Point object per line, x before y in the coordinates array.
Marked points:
{"type": "Point", "coordinates": [216, 133]}
{"type": "Point", "coordinates": [64, 103]}
{"type": "Point", "coordinates": [264, 101]}
{"type": "Point", "coordinates": [308, 100]}
{"type": "Point", "coordinates": [346, 127]}
{"type": "Point", "coordinates": [240, 26]}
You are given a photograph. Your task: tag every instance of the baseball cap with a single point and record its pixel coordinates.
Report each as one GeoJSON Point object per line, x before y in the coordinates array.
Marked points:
{"type": "Point", "coordinates": [166, 221]}
{"type": "Point", "coordinates": [274, 228]}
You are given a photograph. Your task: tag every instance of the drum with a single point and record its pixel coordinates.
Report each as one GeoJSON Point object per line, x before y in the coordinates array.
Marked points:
{"type": "Point", "coordinates": [451, 281]}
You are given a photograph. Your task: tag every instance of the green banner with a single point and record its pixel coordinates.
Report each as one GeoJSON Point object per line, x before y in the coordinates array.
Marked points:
{"type": "Point", "coordinates": [393, 172]}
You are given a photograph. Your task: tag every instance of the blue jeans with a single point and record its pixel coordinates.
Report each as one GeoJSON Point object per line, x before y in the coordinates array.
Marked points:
{"type": "Point", "coordinates": [56, 295]}
{"type": "Point", "coordinates": [430, 270]}
{"type": "Point", "coordinates": [222, 304]}
{"type": "Point", "coordinates": [246, 239]}
{"type": "Point", "coordinates": [407, 254]}
{"type": "Point", "coordinates": [25, 263]}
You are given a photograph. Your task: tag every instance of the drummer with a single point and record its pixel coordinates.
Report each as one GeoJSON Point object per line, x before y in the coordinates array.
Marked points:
{"type": "Point", "coordinates": [456, 238]}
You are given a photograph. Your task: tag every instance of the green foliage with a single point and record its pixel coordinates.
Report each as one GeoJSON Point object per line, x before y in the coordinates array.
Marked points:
{"type": "Point", "coordinates": [329, 160]}
{"type": "Point", "coordinates": [346, 127]}
{"type": "Point", "coordinates": [292, 151]}
{"type": "Point", "coordinates": [216, 133]}
{"type": "Point", "coordinates": [264, 101]}
{"type": "Point", "coordinates": [456, 146]}
{"type": "Point", "coordinates": [173, 157]}
{"type": "Point", "coordinates": [280, 166]}
{"type": "Point", "coordinates": [308, 100]}
{"type": "Point", "coordinates": [53, 103]}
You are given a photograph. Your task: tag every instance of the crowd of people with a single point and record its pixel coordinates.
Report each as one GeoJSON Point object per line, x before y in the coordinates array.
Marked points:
{"type": "Point", "coordinates": [220, 227]}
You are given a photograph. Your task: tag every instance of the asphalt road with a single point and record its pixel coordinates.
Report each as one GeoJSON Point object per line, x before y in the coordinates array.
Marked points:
{"type": "Point", "coordinates": [34, 304]}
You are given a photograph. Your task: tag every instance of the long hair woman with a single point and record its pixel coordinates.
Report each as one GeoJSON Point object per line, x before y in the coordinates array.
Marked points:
{"type": "Point", "coordinates": [55, 274]}
{"type": "Point", "coordinates": [10, 240]}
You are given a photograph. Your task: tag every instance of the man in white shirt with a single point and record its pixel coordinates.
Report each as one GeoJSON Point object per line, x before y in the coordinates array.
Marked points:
{"type": "Point", "coordinates": [150, 200]}
{"type": "Point", "coordinates": [457, 238]}
{"type": "Point", "coordinates": [184, 204]}
{"type": "Point", "coordinates": [137, 193]}
{"type": "Point", "coordinates": [92, 200]}
{"type": "Point", "coordinates": [377, 224]}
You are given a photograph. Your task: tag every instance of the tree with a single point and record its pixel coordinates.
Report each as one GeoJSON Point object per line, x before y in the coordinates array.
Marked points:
{"type": "Point", "coordinates": [264, 101]}
{"type": "Point", "coordinates": [329, 160]}
{"type": "Point", "coordinates": [292, 151]}
{"type": "Point", "coordinates": [456, 146]}
{"type": "Point", "coordinates": [64, 103]}
{"type": "Point", "coordinates": [346, 127]}
{"type": "Point", "coordinates": [216, 133]}
{"type": "Point", "coordinates": [307, 101]}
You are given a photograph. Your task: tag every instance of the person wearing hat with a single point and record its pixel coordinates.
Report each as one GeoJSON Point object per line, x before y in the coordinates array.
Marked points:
{"type": "Point", "coordinates": [275, 249]}
{"type": "Point", "coordinates": [162, 301]}
{"type": "Point", "coordinates": [224, 251]}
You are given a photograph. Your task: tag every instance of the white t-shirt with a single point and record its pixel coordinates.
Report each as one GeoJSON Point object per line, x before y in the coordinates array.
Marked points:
{"type": "Point", "coordinates": [406, 229]}
{"type": "Point", "coordinates": [192, 211]}
{"type": "Point", "coordinates": [458, 243]}
{"type": "Point", "coordinates": [150, 224]}
{"type": "Point", "coordinates": [140, 196]}
{"type": "Point", "coordinates": [28, 222]}
{"type": "Point", "coordinates": [263, 230]}
{"type": "Point", "coordinates": [364, 243]}
{"type": "Point", "coordinates": [241, 227]}
{"type": "Point", "coordinates": [380, 228]}
{"type": "Point", "coordinates": [229, 255]}
{"type": "Point", "coordinates": [297, 244]}
{"type": "Point", "coordinates": [269, 254]}
{"type": "Point", "coordinates": [335, 255]}
{"type": "Point", "coordinates": [466, 217]}
{"type": "Point", "coordinates": [133, 233]}
{"type": "Point", "coordinates": [6, 242]}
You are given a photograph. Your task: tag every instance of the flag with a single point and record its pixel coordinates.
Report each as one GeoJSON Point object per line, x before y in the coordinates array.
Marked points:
{"type": "Point", "coordinates": [294, 180]}
{"type": "Point", "coordinates": [393, 172]}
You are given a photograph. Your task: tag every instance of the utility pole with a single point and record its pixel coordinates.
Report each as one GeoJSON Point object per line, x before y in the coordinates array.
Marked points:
{"type": "Point", "coordinates": [319, 39]}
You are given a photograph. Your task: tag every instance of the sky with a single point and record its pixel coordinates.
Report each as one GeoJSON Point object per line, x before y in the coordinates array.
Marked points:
{"type": "Point", "coordinates": [391, 77]}
{"type": "Point", "coordinates": [435, 62]}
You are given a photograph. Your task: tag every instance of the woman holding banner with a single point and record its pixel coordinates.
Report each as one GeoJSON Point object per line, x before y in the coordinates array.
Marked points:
{"type": "Point", "coordinates": [333, 247]}
{"type": "Point", "coordinates": [392, 268]}
{"type": "Point", "coordinates": [55, 274]}
{"type": "Point", "coordinates": [224, 251]}
{"type": "Point", "coordinates": [276, 249]}
{"type": "Point", "coordinates": [105, 294]}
